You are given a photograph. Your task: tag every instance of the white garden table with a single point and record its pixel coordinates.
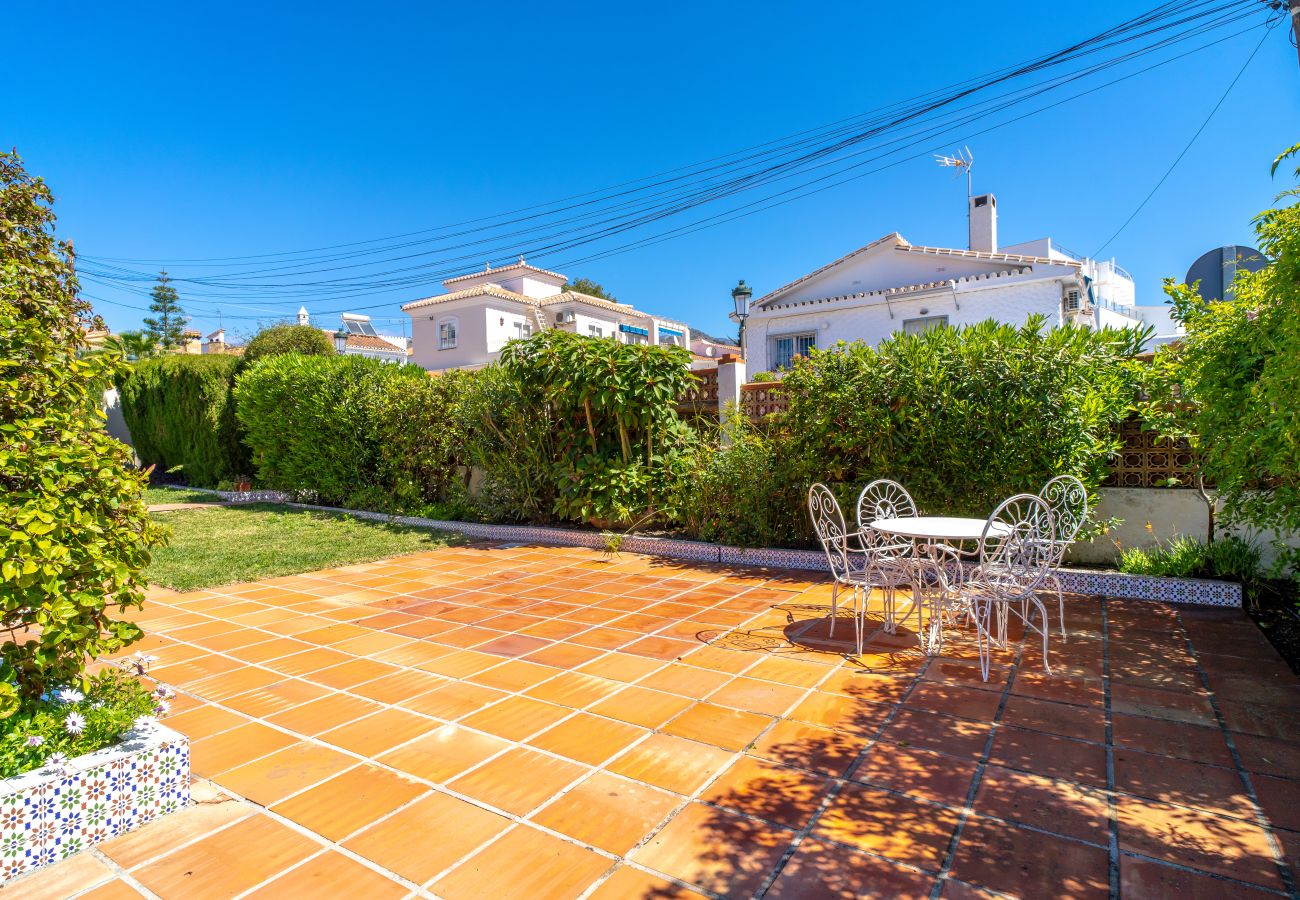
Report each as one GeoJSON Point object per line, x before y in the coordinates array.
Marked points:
{"type": "Point", "coordinates": [931, 535]}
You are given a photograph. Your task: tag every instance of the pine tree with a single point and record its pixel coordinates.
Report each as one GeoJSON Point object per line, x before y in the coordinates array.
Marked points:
{"type": "Point", "coordinates": [168, 326]}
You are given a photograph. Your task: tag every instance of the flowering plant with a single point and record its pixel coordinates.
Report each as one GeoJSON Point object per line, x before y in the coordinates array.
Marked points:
{"type": "Point", "coordinates": [65, 723]}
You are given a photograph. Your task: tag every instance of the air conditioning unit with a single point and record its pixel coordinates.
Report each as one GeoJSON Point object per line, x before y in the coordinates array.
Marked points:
{"type": "Point", "coordinates": [1073, 300]}
{"type": "Point", "coordinates": [566, 317]}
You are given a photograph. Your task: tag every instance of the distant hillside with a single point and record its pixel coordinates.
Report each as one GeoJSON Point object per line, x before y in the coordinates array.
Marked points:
{"type": "Point", "coordinates": [705, 336]}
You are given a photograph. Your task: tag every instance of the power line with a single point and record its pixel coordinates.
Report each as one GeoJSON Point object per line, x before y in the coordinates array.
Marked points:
{"type": "Point", "coordinates": [1165, 177]}
{"type": "Point", "coordinates": [833, 148]}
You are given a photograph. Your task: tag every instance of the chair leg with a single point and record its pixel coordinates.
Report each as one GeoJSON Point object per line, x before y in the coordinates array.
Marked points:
{"type": "Point", "coordinates": [1047, 630]}
{"type": "Point", "coordinates": [862, 597]}
{"type": "Point", "coordinates": [835, 596]}
{"type": "Point", "coordinates": [983, 635]}
{"type": "Point", "coordinates": [1060, 602]}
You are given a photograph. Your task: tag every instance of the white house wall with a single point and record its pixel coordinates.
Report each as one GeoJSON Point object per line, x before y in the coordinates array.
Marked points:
{"type": "Point", "coordinates": [501, 321]}
{"type": "Point", "coordinates": [869, 319]}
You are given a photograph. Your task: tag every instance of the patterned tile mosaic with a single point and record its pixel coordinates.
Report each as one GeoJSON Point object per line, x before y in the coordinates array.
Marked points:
{"type": "Point", "coordinates": [48, 815]}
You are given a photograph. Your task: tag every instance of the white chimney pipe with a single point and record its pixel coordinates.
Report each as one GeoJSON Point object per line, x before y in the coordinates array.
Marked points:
{"type": "Point", "coordinates": [984, 223]}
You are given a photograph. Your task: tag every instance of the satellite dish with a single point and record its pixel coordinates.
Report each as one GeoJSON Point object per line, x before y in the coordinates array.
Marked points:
{"type": "Point", "coordinates": [1216, 269]}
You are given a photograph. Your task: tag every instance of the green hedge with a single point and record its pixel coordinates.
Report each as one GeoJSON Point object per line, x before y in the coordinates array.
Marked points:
{"type": "Point", "coordinates": [963, 417]}
{"type": "Point", "coordinates": [180, 412]}
{"type": "Point", "coordinates": [355, 431]}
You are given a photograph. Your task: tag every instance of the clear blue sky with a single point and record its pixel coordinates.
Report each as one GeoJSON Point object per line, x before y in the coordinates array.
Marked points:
{"type": "Point", "coordinates": [179, 132]}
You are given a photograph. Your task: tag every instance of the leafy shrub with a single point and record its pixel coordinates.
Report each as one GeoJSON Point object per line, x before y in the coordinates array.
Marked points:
{"type": "Point", "coordinates": [1229, 385]}
{"type": "Point", "coordinates": [1231, 558]}
{"type": "Point", "coordinates": [738, 491]}
{"type": "Point", "coordinates": [74, 532]}
{"type": "Point", "coordinates": [419, 425]}
{"type": "Point", "coordinates": [620, 447]}
{"type": "Point", "coordinates": [353, 431]}
{"type": "Point", "coordinates": [279, 340]}
{"type": "Point", "coordinates": [963, 417]}
{"type": "Point", "coordinates": [511, 441]}
{"type": "Point", "coordinates": [69, 723]}
{"type": "Point", "coordinates": [181, 413]}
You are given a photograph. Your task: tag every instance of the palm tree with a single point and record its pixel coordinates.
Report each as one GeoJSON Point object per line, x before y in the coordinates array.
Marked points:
{"type": "Point", "coordinates": [134, 344]}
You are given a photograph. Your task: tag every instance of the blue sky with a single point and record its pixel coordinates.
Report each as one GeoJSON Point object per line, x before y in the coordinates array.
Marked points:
{"type": "Point", "coordinates": [175, 131]}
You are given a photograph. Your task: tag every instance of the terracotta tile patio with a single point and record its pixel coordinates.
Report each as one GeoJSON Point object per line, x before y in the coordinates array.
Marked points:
{"type": "Point", "coordinates": [509, 721]}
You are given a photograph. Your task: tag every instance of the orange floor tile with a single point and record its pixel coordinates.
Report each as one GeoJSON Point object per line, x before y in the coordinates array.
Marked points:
{"type": "Point", "coordinates": [521, 721]}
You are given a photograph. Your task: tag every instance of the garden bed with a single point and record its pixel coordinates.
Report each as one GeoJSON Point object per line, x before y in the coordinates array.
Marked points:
{"type": "Point", "coordinates": [50, 813]}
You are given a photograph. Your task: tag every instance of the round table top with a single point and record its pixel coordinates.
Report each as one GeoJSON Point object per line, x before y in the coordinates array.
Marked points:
{"type": "Point", "coordinates": [944, 528]}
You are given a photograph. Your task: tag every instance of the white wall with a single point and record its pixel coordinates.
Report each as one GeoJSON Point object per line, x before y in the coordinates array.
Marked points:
{"type": "Point", "coordinates": [1169, 511]}
{"type": "Point", "coordinates": [531, 285]}
{"type": "Point", "coordinates": [502, 317]}
{"type": "Point", "coordinates": [869, 319]}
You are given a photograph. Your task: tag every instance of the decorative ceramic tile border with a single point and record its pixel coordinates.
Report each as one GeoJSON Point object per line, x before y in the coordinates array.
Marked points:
{"type": "Point", "coordinates": [237, 496]}
{"type": "Point", "coordinates": [1110, 584]}
{"type": "Point", "coordinates": [1082, 581]}
{"type": "Point", "coordinates": [49, 814]}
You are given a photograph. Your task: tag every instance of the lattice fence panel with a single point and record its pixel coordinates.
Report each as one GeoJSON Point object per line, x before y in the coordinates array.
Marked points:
{"type": "Point", "coordinates": [1147, 460]}
{"type": "Point", "coordinates": [761, 398]}
{"type": "Point", "coordinates": [702, 397]}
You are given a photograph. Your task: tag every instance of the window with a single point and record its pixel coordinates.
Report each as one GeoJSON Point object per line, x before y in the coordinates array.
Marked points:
{"type": "Point", "coordinates": [447, 334]}
{"type": "Point", "coordinates": [923, 324]}
{"type": "Point", "coordinates": [787, 346]}
{"type": "Point", "coordinates": [595, 331]}
{"type": "Point", "coordinates": [523, 330]}
{"type": "Point", "coordinates": [634, 338]}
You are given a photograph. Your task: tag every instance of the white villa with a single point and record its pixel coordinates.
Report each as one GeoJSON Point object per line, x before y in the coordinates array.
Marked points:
{"type": "Point", "coordinates": [892, 285]}
{"type": "Point", "coordinates": [467, 326]}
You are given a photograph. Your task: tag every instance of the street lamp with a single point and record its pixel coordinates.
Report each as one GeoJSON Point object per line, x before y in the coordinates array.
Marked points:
{"type": "Point", "coordinates": [341, 339]}
{"type": "Point", "coordinates": [740, 296]}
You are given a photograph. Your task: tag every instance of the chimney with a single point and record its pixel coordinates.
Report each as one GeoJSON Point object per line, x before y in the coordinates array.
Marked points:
{"type": "Point", "coordinates": [984, 223]}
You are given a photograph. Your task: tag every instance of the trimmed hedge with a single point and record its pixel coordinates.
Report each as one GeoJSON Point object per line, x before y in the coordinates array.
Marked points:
{"type": "Point", "coordinates": [353, 431]}
{"type": "Point", "coordinates": [963, 417]}
{"type": "Point", "coordinates": [180, 412]}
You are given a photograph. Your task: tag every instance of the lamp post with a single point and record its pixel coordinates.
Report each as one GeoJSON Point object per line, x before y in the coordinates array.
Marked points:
{"type": "Point", "coordinates": [341, 339]}
{"type": "Point", "coordinates": [740, 296]}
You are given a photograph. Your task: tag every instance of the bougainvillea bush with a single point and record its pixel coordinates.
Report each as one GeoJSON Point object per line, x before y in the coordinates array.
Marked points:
{"type": "Point", "coordinates": [74, 530]}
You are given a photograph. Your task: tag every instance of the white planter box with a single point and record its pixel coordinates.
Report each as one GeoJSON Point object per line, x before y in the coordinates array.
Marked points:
{"type": "Point", "coordinates": [49, 814]}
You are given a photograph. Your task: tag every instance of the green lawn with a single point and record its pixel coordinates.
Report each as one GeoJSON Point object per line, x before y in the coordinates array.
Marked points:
{"type": "Point", "coordinates": [222, 545]}
{"type": "Point", "coordinates": [154, 496]}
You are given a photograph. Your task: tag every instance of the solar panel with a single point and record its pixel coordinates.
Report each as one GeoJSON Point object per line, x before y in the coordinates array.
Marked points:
{"type": "Point", "coordinates": [368, 329]}
{"type": "Point", "coordinates": [353, 327]}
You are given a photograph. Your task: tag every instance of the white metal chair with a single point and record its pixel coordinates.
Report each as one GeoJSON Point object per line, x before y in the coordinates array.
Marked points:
{"type": "Point", "coordinates": [850, 565]}
{"type": "Point", "coordinates": [1067, 498]}
{"type": "Point", "coordinates": [1015, 557]}
{"type": "Point", "coordinates": [897, 562]}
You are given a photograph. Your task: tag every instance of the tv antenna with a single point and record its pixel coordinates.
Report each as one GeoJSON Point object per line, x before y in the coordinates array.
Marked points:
{"type": "Point", "coordinates": [962, 159]}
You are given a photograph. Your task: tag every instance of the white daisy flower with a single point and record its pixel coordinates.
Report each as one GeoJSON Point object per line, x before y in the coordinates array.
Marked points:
{"type": "Point", "coordinates": [74, 723]}
{"type": "Point", "coordinates": [69, 695]}
{"type": "Point", "coordinates": [34, 740]}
